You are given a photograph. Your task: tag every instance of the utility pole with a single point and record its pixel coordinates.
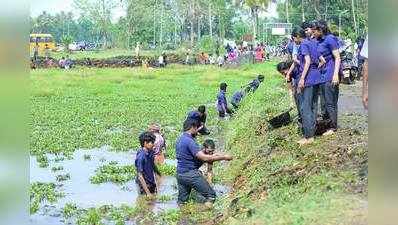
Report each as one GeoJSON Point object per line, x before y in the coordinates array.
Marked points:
{"type": "Point", "coordinates": [354, 17]}
{"type": "Point", "coordinates": [161, 24]}
{"type": "Point", "coordinates": [154, 22]}
{"type": "Point", "coordinates": [302, 10]}
{"type": "Point", "coordinates": [287, 11]}
{"type": "Point", "coordinates": [210, 22]}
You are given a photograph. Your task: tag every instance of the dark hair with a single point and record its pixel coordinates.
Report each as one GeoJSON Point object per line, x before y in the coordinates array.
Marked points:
{"type": "Point", "coordinates": [189, 123]}
{"type": "Point", "coordinates": [202, 108]}
{"type": "Point", "coordinates": [313, 24]}
{"type": "Point", "coordinates": [260, 77]}
{"type": "Point", "coordinates": [298, 32]}
{"type": "Point", "coordinates": [208, 143]}
{"type": "Point", "coordinates": [306, 25]}
{"type": "Point", "coordinates": [147, 137]}
{"type": "Point", "coordinates": [322, 26]}
{"type": "Point", "coordinates": [283, 66]}
{"type": "Point", "coordinates": [223, 86]}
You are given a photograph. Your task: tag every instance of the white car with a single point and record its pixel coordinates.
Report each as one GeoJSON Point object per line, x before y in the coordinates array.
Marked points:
{"type": "Point", "coordinates": [73, 47]}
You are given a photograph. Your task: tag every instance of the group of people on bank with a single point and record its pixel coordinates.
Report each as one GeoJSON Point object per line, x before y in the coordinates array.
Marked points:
{"type": "Point", "coordinates": [314, 74]}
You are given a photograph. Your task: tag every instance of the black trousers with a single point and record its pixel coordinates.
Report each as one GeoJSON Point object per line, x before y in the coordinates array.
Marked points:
{"type": "Point", "coordinates": [194, 180]}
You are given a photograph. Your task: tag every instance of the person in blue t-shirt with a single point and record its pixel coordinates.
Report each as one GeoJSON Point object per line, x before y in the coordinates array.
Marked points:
{"type": "Point", "coordinates": [328, 47]}
{"type": "Point", "coordinates": [308, 85]}
{"type": "Point", "coordinates": [200, 115]}
{"type": "Point", "coordinates": [238, 96]}
{"type": "Point", "coordinates": [190, 158]}
{"type": "Point", "coordinates": [145, 165]}
{"type": "Point", "coordinates": [255, 84]}
{"type": "Point", "coordinates": [222, 104]}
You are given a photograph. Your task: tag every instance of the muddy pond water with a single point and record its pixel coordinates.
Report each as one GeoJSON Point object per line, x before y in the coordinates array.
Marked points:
{"type": "Point", "coordinates": [80, 191]}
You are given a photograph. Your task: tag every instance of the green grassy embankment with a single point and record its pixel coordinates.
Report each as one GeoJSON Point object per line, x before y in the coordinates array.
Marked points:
{"type": "Point", "coordinates": [275, 181]}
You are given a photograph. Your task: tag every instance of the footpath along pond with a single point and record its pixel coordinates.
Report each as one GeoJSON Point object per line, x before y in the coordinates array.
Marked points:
{"type": "Point", "coordinates": [74, 178]}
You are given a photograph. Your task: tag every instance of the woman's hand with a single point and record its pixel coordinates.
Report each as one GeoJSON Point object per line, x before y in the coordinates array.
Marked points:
{"type": "Point", "coordinates": [301, 85]}
{"type": "Point", "coordinates": [335, 80]}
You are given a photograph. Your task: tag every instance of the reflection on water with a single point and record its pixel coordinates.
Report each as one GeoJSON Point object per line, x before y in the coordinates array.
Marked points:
{"type": "Point", "coordinates": [78, 189]}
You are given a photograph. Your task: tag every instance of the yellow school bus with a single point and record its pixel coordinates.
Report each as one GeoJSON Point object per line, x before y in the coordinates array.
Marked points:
{"type": "Point", "coordinates": [42, 40]}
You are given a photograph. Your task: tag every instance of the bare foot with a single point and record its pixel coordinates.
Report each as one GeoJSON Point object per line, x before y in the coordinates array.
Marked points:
{"type": "Point", "coordinates": [305, 141]}
{"type": "Point", "coordinates": [329, 132]}
{"type": "Point", "coordinates": [208, 205]}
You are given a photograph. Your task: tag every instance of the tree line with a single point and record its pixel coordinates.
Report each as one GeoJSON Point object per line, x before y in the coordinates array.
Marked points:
{"type": "Point", "coordinates": [169, 24]}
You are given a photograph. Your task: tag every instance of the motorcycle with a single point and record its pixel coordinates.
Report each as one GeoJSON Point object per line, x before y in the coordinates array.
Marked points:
{"type": "Point", "coordinates": [349, 69]}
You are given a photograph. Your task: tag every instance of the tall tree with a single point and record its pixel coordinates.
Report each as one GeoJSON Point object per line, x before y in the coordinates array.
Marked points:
{"type": "Point", "coordinates": [99, 12]}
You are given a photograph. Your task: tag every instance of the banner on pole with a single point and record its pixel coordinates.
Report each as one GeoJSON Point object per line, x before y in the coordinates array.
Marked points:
{"type": "Point", "coordinates": [278, 31]}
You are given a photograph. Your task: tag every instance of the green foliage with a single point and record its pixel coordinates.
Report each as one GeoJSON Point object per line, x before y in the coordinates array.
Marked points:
{"type": "Point", "coordinates": [75, 109]}
{"type": "Point", "coordinates": [167, 170]}
{"type": "Point", "coordinates": [66, 41]}
{"type": "Point", "coordinates": [92, 217]}
{"type": "Point", "coordinates": [207, 44]}
{"type": "Point", "coordinates": [40, 192]}
{"type": "Point", "coordinates": [69, 210]}
{"type": "Point", "coordinates": [113, 173]}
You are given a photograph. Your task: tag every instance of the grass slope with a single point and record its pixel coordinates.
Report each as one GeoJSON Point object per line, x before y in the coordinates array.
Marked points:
{"type": "Point", "coordinates": [277, 182]}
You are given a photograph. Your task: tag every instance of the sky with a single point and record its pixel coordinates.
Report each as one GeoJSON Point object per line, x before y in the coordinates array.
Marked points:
{"type": "Point", "coordinates": [56, 6]}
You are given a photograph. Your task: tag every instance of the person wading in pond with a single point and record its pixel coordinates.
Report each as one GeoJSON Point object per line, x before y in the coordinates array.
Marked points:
{"type": "Point", "coordinates": [200, 115]}
{"type": "Point", "coordinates": [145, 166]}
{"type": "Point", "coordinates": [328, 47]}
{"type": "Point", "coordinates": [208, 148]}
{"type": "Point", "coordinates": [159, 146]}
{"type": "Point", "coordinates": [308, 85]}
{"type": "Point", "coordinates": [189, 159]}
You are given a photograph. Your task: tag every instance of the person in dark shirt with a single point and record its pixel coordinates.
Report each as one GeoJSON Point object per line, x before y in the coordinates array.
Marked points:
{"type": "Point", "coordinates": [145, 165]}
{"type": "Point", "coordinates": [238, 96]}
{"type": "Point", "coordinates": [222, 104]}
{"type": "Point", "coordinates": [254, 84]}
{"type": "Point", "coordinates": [328, 47]}
{"type": "Point", "coordinates": [190, 158]}
{"type": "Point", "coordinates": [308, 84]}
{"type": "Point", "coordinates": [200, 115]}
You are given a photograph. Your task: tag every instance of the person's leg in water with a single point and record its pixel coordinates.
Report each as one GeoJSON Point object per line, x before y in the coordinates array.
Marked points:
{"type": "Point", "coordinates": [307, 110]}
{"type": "Point", "coordinates": [184, 188]}
{"type": "Point", "coordinates": [204, 192]}
{"type": "Point", "coordinates": [331, 94]}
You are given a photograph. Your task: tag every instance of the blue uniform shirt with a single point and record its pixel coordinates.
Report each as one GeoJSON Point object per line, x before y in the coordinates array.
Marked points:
{"type": "Point", "coordinates": [237, 97]}
{"type": "Point", "coordinates": [309, 47]}
{"type": "Point", "coordinates": [221, 101]}
{"type": "Point", "coordinates": [325, 47]}
{"type": "Point", "coordinates": [145, 164]}
{"type": "Point", "coordinates": [186, 150]}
